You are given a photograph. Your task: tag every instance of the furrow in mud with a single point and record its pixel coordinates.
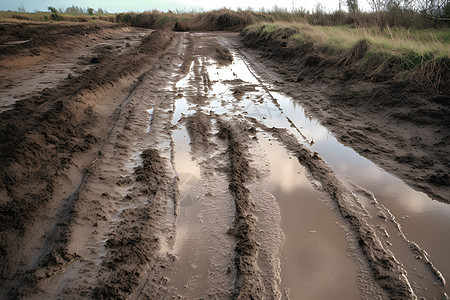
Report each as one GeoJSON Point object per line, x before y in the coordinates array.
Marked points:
{"type": "Point", "coordinates": [248, 282]}
{"type": "Point", "coordinates": [57, 129]}
{"type": "Point", "coordinates": [206, 212]}
{"type": "Point", "coordinates": [419, 253]}
{"type": "Point", "coordinates": [190, 190]}
{"type": "Point", "coordinates": [387, 270]}
{"type": "Point", "coordinates": [132, 250]}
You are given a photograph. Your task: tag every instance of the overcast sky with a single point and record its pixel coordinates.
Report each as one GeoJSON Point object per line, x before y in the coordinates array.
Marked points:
{"type": "Point", "coordinates": [143, 5]}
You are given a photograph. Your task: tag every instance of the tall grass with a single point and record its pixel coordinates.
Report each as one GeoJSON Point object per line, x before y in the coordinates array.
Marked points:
{"type": "Point", "coordinates": [46, 17]}
{"type": "Point", "coordinates": [153, 19]}
{"type": "Point", "coordinates": [341, 38]}
{"type": "Point", "coordinates": [396, 40]}
{"type": "Point", "coordinates": [422, 54]}
{"type": "Point", "coordinates": [242, 18]}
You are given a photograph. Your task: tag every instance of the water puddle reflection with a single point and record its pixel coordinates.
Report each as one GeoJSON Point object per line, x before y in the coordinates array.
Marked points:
{"type": "Point", "coordinates": [414, 210]}
{"type": "Point", "coordinates": [314, 261]}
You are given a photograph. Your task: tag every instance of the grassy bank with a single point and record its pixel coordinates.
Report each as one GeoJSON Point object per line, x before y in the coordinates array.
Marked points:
{"type": "Point", "coordinates": [421, 55]}
{"type": "Point", "coordinates": [417, 49]}
{"type": "Point", "coordinates": [47, 17]}
{"type": "Point", "coordinates": [225, 19]}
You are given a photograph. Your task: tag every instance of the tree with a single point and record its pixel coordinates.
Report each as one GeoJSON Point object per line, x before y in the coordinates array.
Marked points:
{"type": "Point", "coordinates": [74, 10]}
{"type": "Point", "coordinates": [447, 10]}
{"type": "Point", "coordinates": [319, 9]}
{"type": "Point", "coordinates": [352, 6]}
{"type": "Point", "coordinates": [54, 15]}
{"type": "Point", "coordinates": [90, 11]}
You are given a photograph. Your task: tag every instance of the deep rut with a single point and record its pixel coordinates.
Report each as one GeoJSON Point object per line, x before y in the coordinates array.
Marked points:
{"type": "Point", "coordinates": [213, 184]}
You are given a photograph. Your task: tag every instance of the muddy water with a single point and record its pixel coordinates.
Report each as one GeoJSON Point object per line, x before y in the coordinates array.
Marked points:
{"type": "Point", "coordinates": [314, 260]}
{"type": "Point", "coordinates": [286, 241]}
{"type": "Point", "coordinates": [423, 220]}
{"type": "Point", "coordinates": [305, 252]}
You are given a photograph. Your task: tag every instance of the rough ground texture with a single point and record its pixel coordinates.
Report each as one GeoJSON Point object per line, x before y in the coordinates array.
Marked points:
{"type": "Point", "coordinates": [134, 247]}
{"type": "Point", "coordinates": [144, 174]}
{"type": "Point", "coordinates": [44, 39]}
{"type": "Point", "coordinates": [42, 137]}
{"type": "Point", "coordinates": [400, 125]}
{"type": "Point", "coordinates": [248, 282]}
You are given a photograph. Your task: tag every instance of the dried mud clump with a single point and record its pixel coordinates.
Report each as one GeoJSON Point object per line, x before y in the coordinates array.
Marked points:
{"type": "Point", "coordinates": [222, 55]}
{"type": "Point", "coordinates": [248, 282]}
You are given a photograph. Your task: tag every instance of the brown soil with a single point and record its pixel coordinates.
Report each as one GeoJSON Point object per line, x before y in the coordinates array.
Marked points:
{"type": "Point", "coordinates": [248, 282]}
{"type": "Point", "coordinates": [56, 136]}
{"type": "Point", "coordinates": [135, 246]}
{"type": "Point", "coordinates": [38, 39]}
{"type": "Point", "coordinates": [90, 185]}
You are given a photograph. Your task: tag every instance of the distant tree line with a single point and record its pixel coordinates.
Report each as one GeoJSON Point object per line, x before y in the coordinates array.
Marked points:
{"type": "Point", "coordinates": [406, 13]}
{"type": "Point", "coordinates": [434, 8]}
{"type": "Point", "coordinates": [73, 10]}
{"type": "Point", "coordinates": [77, 10]}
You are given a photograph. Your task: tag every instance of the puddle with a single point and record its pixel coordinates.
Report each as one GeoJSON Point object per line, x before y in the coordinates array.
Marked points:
{"type": "Point", "coordinates": [206, 213]}
{"type": "Point", "coordinates": [423, 220]}
{"type": "Point", "coordinates": [181, 109]}
{"type": "Point", "coordinates": [313, 258]}
{"type": "Point", "coordinates": [16, 42]}
{"type": "Point", "coordinates": [150, 121]}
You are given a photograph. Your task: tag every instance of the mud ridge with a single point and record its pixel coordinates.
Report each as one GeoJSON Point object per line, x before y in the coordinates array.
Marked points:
{"type": "Point", "coordinates": [386, 269]}
{"type": "Point", "coordinates": [134, 246]}
{"type": "Point", "coordinates": [221, 54]}
{"type": "Point", "coordinates": [248, 282]}
{"type": "Point", "coordinates": [44, 134]}
{"type": "Point", "coordinates": [42, 39]}
{"type": "Point", "coordinates": [199, 128]}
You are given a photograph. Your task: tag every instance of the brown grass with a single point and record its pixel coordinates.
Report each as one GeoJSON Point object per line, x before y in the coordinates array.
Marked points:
{"type": "Point", "coordinates": [422, 57]}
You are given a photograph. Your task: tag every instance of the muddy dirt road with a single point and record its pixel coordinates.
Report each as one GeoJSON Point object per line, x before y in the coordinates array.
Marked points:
{"type": "Point", "coordinates": [199, 178]}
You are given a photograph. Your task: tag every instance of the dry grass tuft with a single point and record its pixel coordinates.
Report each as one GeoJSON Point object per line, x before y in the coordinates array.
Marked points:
{"type": "Point", "coordinates": [421, 55]}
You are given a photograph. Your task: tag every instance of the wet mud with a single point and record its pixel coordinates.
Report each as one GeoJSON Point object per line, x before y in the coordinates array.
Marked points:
{"type": "Point", "coordinates": [188, 172]}
{"type": "Point", "coordinates": [400, 125]}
